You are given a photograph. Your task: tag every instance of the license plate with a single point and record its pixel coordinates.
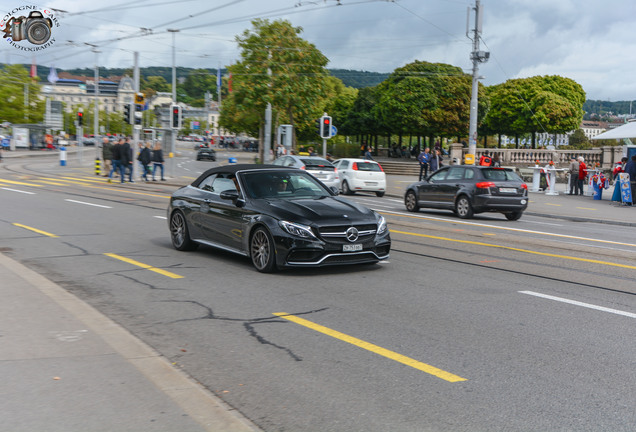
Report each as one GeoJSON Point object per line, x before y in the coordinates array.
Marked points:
{"type": "Point", "coordinates": [508, 190]}
{"type": "Point", "coordinates": [370, 183]}
{"type": "Point", "coordinates": [351, 247]}
{"type": "Point", "coordinates": [321, 176]}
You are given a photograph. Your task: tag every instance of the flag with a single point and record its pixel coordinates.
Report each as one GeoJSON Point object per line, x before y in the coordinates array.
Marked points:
{"type": "Point", "coordinates": [52, 76]}
{"type": "Point", "coordinates": [229, 83]}
{"type": "Point", "coordinates": [218, 80]}
{"type": "Point", "coordinates": [34, 69]}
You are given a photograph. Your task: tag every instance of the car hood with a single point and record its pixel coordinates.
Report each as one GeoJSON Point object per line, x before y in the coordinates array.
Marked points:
{"type": "Point", "coordinates": [327, 211]}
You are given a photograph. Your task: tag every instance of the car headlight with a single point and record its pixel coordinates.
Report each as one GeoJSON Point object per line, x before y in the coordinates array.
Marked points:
{"type": "Point", "coordinates": [298, 230]}
{"type": "Point", "coordinates": [382, 227]}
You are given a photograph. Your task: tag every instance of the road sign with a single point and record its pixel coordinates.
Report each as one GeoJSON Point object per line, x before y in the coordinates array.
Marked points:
{"type": "Point", "coordinates": [334, 130]}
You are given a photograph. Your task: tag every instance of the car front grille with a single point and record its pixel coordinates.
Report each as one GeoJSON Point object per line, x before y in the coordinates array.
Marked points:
{"type": "Point", "coordinates": [338, 234]}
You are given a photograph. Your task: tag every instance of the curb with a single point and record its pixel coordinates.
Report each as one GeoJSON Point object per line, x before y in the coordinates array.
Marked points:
{"type": "Point", "coordinates": [201, 405]}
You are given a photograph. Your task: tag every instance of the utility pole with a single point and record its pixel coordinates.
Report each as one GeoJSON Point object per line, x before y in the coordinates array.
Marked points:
{"type": "Point", "coordinates": [96, 120]}
{"type": "Point", "coordinates": [477, 57]}
{"type": "Point", "coordinates": [136, 128]}
{"type": "Point", "coordinates": [173, 132]}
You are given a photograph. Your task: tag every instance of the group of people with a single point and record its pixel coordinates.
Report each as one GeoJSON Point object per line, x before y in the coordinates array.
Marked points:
{"type": "Point", "coordinates": [578, 172]}
{"type": "Point", "coordinates": [487, 160]}
{"type": "Point", "coordinates": [627, 166]}
{"type": "Point", "coordinates": [429, 161]}
{"type": "Point", "coordinates": [120, 156]}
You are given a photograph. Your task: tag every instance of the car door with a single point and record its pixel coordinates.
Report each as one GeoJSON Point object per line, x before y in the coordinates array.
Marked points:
{"type": "Point", "coordinates": [221, 220]}
{"type": "Point", "coordinates": [429, 190]}
{"type": "Point", "coordinates": [450, 185]}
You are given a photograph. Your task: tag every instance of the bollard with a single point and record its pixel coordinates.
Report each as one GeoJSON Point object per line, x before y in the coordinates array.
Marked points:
{"type": "Point", "coordinates": [98, 166]}
{"type": "Point", "coordinates": [62, 156]}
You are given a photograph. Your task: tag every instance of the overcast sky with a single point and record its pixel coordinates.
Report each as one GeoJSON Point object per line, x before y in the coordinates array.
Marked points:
{"type": "Point", "coordinates": [589, 41]}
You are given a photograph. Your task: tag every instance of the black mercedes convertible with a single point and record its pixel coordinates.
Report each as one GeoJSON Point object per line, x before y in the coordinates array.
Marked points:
{"type": "Point", "coordinates": [278, 217]}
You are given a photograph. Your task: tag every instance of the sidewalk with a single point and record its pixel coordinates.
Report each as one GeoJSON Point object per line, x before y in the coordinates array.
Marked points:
{"type": "Point", "coordinates": [68, 368]}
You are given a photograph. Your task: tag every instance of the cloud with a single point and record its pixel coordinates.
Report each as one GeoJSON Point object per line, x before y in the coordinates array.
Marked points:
{"type": "Point", "coordinates": [586, 40]}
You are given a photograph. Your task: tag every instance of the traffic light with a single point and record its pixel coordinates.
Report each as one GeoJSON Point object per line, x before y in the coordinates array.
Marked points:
{"type": "Point", "coordinates": [127, 113]}
{"type": "Point", "coordinates": [138, 114]}
{"type": "Point", "coordinates": [319, 126]}
{"type": "Point", "coordinates": [80, 118]}
{"type": "Point", "coordinates": [325, 127]}
{"type": "Point", "coordinates": [175, 117]}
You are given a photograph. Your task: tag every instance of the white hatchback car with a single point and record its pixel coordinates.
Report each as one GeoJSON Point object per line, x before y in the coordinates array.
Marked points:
{"type": "Point", "coordinates": [361, 175]}
{"type": "Point", "coordinates": [320, 168]}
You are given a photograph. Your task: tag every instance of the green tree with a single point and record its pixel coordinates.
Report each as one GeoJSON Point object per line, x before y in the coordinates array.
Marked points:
{"type": "Point", "coordinates": [277, 67]}
{"type": "Point", "coordinates": [427, 99]}
{"type": "Point", "coordinates": [578, 140]}
{"type": "Point", "coordinates": [14, 80]}
{"type": "Point", "coordinates": [550, 104]}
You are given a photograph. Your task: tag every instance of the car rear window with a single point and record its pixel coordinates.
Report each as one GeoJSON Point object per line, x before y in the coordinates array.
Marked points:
{"type": "Point", "coordinates": [316, 162]}
{"type": "Point", "coordinates": [368, 166]}
{"type": "Point", "coordinates": [500, 174]}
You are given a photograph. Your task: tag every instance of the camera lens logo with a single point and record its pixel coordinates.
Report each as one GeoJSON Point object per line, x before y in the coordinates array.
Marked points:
{"type": "Point", "coordinates": [30, 24]}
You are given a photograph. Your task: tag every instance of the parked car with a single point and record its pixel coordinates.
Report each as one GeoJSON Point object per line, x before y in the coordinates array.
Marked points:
{"type": "Point", "coordinates": [467, 189]}
{"type": "Point", "coordinates": [360, 175]}
{"type": "Point", "coordinates": [320, 168]}
{"type": "Point", "coordinates": [277, 216]}
{"type": "Point", "coordinates": [206, 153]}
{"type": "Point", "coordinates": [198, 146]}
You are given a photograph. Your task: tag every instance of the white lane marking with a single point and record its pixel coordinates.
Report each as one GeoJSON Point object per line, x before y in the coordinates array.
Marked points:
{"type": "Point", "coordinates": [578, 303]}
{"type": "Point", "coordinates": [415, 215]}
{"type": "Point", "coordinates": [540, 223]}
{"type": "Point", "coordinates": [20, 191]}
{"type": "Point", "coordinates": [160, 217]}
{"type": "Point", "coordinates": [85, 203]}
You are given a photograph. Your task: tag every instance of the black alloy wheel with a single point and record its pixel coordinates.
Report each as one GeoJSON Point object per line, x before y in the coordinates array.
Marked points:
{"type": "Point", "coordinates": [379, 194]}
{"type": "Point", "coordinates": [262, 251]}
{"type": "Point", "coordinates": [179, 233]}
{"type": "Point", "coordinates": [463, 208]}
{"type": "Point", "coordinates": [410, 201]}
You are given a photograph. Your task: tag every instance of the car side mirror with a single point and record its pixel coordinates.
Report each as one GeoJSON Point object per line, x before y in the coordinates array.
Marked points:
{"type": "Point", "coordinates": [334, 190]}
{"type": "Point", "coordinates": [232, 195]}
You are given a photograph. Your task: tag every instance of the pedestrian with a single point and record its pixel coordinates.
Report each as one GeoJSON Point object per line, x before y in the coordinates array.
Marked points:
{"type": "Point", "coordinates": [157, 161]}
{"type": "Point", "coordinates": [367, 153]}
{"type": "Point", "coordinates": [573, 170]}
{"type": "Point", "coordinates": [116, 161]}
{"type": "Point", "coordinates": [630, 168]}
{"type": "Point", "coordinates": [485, 159]}
{"type": "Point", "coordinates": [495, 161]}
{"type": "Point", "coordinates": [107, 155]}
{"type": "Point", "coordinates": [127, 159]}
{"type": "Point", "coordinates": [424, 158]}
{"type": "Point", "coordinates": [436, 161]}
{"type": "Point", "coordinates": [582, 174]}
{"type": "Point", "coordinates": [619, 168]}
{"type": "Point", "coordinates": [145, 157]}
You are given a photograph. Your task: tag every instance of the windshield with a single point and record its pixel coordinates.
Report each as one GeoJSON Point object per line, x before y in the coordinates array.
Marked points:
{"type": "Point", "coordinates": [291, 184]}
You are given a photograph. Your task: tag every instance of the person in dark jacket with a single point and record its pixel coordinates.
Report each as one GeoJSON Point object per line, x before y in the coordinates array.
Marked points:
{"type": "Point", "coordinates": [157, 161]}
{"type": "Point", "coordinates": [144, 158]}
{"type": "Point", "coordinates": [127, 159]}
{"type": "Point", "coordinates": [630, 168]}
{"type": "Point", "coordinates": [116, 161]}
{"type": "Point", "coordinates": [107, 155]}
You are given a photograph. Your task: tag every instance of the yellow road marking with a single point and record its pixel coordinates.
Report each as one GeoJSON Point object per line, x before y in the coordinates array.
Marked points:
{"type": "Point", "coordinates": [84, 180]}
{"type": "Point", "coordinates": [144, 266]}
{"type": "Point", "coordinates": [51, 183]}
{"type": "Point", "coordinates": [556, 205]}
{"type": "Point", "coordinates": [518, 250]}
{"type": "Point", "coordinates": [490, 234]}
{"type": "Point", "coordinates": [586, 208]}
{"type": "Point", "coordinates": [35, 230]}
{"type": "Point", "coordinates": [459, 222]}
{"type": "Point", "coordinates": [432, 370]}
{"type": "Point", "coordinates": [19, 183]}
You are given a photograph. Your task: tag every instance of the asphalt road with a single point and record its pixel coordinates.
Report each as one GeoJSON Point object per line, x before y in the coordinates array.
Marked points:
{"type": "Point", "coordinates": [471, 326]}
